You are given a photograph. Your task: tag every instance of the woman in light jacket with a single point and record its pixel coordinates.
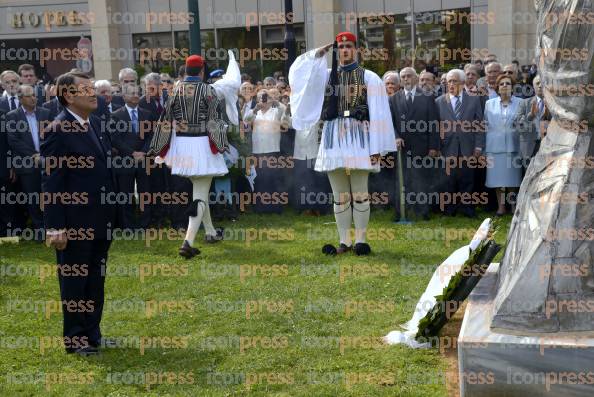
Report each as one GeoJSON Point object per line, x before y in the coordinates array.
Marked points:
{"type": "Point", "coordinates": [504, 172]}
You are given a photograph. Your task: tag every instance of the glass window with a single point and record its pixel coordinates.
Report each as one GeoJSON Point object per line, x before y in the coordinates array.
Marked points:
{"type": "Point", "coordinates": [273, 47]}
{"type": "Point", "coordinates": [385, 46]}
{"type": "Point", "coordinates": [389, 45]}
{"type": "Point", "coordinates": [245, 42]}
{"type": "Point", "coordinates": [441, 45]}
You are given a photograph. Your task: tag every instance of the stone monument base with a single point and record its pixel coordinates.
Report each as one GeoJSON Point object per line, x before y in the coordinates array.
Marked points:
{"type": "Point", "coordinates": [495, 364]}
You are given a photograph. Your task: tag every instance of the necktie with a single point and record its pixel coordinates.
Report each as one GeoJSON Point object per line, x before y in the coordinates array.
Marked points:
{"type": "Point", "coordinates": [159, 107]}
{"type": "Point", "coordinates": [12, 103]}
{"type": "Point", "coordinates": [134, 122]}
{"type": "Point", "coordinates": [540, 107]}
{"type": "Point", "coordinates": [88, 128]}
{"type": "Point", "coordinates": [409, 101]}
{"type": "Point", "coordinates": [458, 108]}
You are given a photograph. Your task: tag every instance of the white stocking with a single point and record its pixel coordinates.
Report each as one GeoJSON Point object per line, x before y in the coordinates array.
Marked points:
{"type": "Point", "coordinates": [361, 205]}
{"type": "Point", "coordinates": [201, 187]}
{"type": "Point", "coordinates": [343, 212]}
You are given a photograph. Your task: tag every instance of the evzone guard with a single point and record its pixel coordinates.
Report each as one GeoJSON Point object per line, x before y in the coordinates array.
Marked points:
{"type": "Point", "coordinates": [357, 130]}
{"type": "Point", "coordinates": [191, 137]}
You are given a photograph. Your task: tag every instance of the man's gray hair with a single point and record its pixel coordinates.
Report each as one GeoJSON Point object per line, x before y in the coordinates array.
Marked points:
{"type": "Point", "coordinates": [492, 65]}
{"type": "Point", "coordinates": [457, 72]}
{"type": "Point", "coordinates": [7, 72]}
{"type": "Point", "coordinates": [102, 84]}
{"type": "Point", "coordinates": [25, 86]}
{"type": "Point", "coordinates": [269, 79]}
{"type": "Point", "coordinates": [126, 71]}
{"type": "Point", "coordinates": [409, 69]}
{"type": "Point", "coordinates": [152, 77]}
{"type": "Point", "coordinates": [391, 74]}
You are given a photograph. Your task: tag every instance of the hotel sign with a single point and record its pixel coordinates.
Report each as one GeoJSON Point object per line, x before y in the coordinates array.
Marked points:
{"type": "Point", "coordinates": [49, 19]}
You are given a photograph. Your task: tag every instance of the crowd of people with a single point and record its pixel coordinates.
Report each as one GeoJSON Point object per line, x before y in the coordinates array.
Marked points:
{"type": "Point", "coordinates": [445, 169]}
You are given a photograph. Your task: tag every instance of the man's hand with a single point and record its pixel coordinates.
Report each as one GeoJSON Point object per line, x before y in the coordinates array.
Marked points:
{"type": "Point", "coordinates": [36, 157]}
{"type": "Point", "coordinates": [433, 153]}
{"type": "Point", "coordinates": [478, 153]}
{"type": "Point", "coordinates": [138, 155]}
{"type": "Point", "coordinates": [12, 176]}
{"type": "Point", "coordinates": [534, 110]}
{"type": "Point", "coordinates": [322, 51]}
{"type": "Point", "coordinates": [56, 239]}
{"type": "Point", "coordinates": [399, 143]}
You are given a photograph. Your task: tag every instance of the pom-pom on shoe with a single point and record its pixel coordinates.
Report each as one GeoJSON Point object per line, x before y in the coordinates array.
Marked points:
{"type": "Point", "coordinates": [187, 251]}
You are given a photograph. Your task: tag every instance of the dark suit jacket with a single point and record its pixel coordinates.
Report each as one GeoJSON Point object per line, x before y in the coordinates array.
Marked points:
{"type": "Point", "coordinates": [418, 126]}
{"type": "Point", "coordinates": [85, 183]}
{"type": "Point", "coordinates": [461, 137]}
{"type": "Point", "coordinates": [19, 136]}
{"type": "Point", "coordinates": [117, 100]}
{"type": "Point", "coordinates": [123, 137]}
{"type": "Point", "coordinates": [102, 111]}
{"type": "Point", "coordinates": [54, 106]}
{"type": "Point", "coordinates": [5, 104]}
{"type": "Point", "coordinates": [4, 169]}
{"type": "Point", "coordinates": [150, 104]}
{"type": "Point", "coordinates": [114, 106]}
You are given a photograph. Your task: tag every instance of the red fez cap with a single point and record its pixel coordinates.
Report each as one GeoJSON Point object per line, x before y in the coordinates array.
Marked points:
{"type": "Point", "coordinates": [346, 36]}
{"type": "Point", "coordinates": [194, 61]}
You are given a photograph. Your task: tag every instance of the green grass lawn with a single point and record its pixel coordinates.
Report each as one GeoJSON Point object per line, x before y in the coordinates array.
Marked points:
{"type": "Point", "coordinates": [266, 317]}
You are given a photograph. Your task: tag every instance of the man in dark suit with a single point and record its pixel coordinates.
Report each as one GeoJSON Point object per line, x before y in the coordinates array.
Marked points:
{"type": "Point", "coordinates": [415, 121]}
{"type": "Point", "coordinates": [10, 83]}
{"type": "Point", "coordinates": [462, 142]}
{"type": "Point", "coordinates": [23, 127]}
{"type": "Point", "coordinates": [125, 76]}
{"type": "Point", "coordinates": [103, 90]}
{"type": "Point", "coordinates": [54, 107]}
{"type": "Point", "coordinates": [532, 121]}
{"type": "Point", "coordinates": [161, 180]}
{"type": "Point", "coordinates": [131, 131]}
{"type": "Point", "coordinates": [7, 177]}
{"type": "Point", "coordinates": [82, 212]}
{"type": "Point", "coordinates": [27, 75]}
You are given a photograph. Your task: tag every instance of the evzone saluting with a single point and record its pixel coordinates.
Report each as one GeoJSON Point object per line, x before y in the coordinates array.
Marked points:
{"type": "Point", "coordinates": [357, 131]}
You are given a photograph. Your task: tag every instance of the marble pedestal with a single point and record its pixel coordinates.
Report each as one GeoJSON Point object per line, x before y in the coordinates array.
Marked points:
{"type": "Point", "coordinates": [496, 365]}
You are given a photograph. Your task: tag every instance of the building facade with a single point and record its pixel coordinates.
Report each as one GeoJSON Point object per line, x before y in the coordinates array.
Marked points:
{"type": "Point", "coordinates": [102, 36]}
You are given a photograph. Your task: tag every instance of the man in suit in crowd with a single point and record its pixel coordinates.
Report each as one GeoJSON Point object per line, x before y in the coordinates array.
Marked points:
{"type": "Point", "coordinates": [103, 89]}
{"type": "Point", "coordinates": [131, 132]}
{"type": "Point", "coordinates": [125, 76]}
{"type": "Point", "coordinates": [28, 76]}
{"type": "Point", "coordinates": [532, 119]}
{"type": "Point", "coordinates": [82, 213]}
{"type": "Point", "coordinates": [470, 87]}
{"type": "Point", "coordinates": [10, 83]}
{"type": "Point", "coordinates": [23, 127]}
{"type": "Point", "coordinates": [7, 177]}
{"type": "Point", "coordinates": [427, 82]}
{"type": "Point", "coordinates": [415, 120]}
{"type": "Point", "coordinates": [154, 101]}
{"type": "Point", "coordinates": [154, 98]}
{"type": "Point", "coordinates": [462, 142]}
{"type": "Point", "coordinates": [54, 107]}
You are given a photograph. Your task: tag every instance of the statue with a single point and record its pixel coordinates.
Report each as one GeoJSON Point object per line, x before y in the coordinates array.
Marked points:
{"type": "Point", "coordinates": [546, 278]}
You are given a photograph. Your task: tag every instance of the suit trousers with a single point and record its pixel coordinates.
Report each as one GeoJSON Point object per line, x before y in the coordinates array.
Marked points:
{"type": "Point", "coordinates": [126, 185]}
{"type": "Point", "coordinates": [82, 291]}
{"type": "Point", "coordinates": [31, 185]}
{"type": "Point", "coordinates": [6, 209]}
{"type": "Point", "coordinates": [460, 180]}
